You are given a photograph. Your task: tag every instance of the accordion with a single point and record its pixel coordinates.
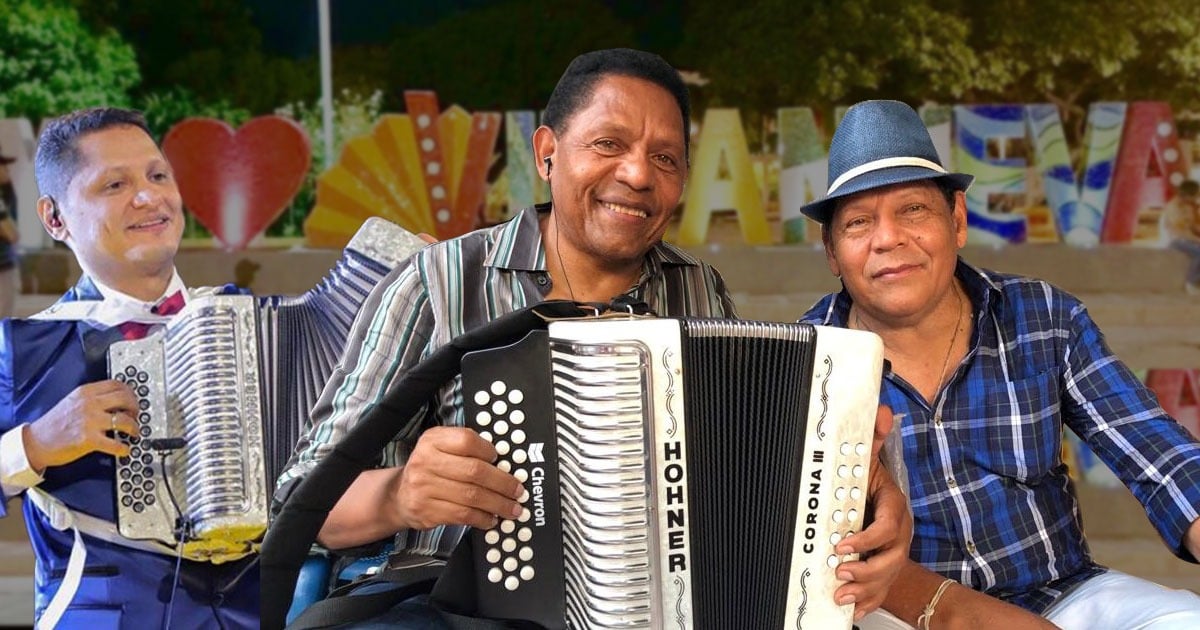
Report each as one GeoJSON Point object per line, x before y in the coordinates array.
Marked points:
{"type": "Point", "coordinates": [680, 473]}
{"type": "Point", "coordinates": [224, 391]}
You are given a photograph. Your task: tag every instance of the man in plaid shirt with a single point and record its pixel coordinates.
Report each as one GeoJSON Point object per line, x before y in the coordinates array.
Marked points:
{"type": "Point", "coordinates": [987, 370]}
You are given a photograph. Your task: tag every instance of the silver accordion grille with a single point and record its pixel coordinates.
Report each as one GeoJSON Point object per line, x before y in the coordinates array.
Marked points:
{"type": "Point", "coordinates": [196, 379]}
{"type": "Point", "coordinates": [602, 453]}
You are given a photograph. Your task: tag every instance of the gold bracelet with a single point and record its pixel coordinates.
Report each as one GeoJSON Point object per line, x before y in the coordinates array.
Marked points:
{"type": "Point", "coordinates": [927, 614]}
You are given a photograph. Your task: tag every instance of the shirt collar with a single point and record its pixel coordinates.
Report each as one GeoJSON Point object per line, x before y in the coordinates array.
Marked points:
{"type": "Point", "coordinates": [116, 307]}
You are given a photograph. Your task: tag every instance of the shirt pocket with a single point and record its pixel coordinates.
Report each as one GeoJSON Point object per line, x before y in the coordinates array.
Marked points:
{"type": "Point", "coordinates": [1021, 435]}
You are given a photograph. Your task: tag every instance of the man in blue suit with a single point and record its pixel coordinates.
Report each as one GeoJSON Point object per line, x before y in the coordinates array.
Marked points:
{"type": "Point", "coordinates": [110, 195]}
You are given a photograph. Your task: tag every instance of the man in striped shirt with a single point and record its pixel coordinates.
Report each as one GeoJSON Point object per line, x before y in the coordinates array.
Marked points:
{"type": "Point", "coordinates": [987, 369]}
{"type": "Point", "coordinates": [614, 149]}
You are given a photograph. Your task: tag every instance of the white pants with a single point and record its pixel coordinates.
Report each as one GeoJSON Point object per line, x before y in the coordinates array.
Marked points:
{"type": "Point", "coordinates": [1109, 601]}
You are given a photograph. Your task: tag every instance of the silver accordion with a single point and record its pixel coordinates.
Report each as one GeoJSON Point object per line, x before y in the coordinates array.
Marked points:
{"type": "Point", "coordinates": [681, 473]}
{"type": "Point", "coordinates": [224, 391]}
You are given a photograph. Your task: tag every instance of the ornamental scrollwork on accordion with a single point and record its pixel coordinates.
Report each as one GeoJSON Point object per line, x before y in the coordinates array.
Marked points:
{"type": "Point", "coordinates": [824, 397]}
{"type": "Point", "coordinates": [670, 393]}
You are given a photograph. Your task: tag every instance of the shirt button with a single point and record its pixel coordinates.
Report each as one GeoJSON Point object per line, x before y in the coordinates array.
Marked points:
{"type": "Point", "coordinates": [543, 279]}
{"type": "Point", "coordinates": [951, 482]}
{"type": "Point", "coordinates": [971, 546]}
{"type": "Point", "coordinates": [937, 420]}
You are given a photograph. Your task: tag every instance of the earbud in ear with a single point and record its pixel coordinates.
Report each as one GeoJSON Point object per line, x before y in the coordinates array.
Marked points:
{"type": "Point", "coordinates": [548, 165]}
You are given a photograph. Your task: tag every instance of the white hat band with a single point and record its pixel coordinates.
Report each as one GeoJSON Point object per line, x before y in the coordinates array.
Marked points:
{"type": "Point", "coordinates": [882, 164]}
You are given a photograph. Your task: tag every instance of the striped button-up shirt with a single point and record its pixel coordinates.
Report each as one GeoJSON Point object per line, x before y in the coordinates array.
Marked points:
{"type": "Point", "coordinates": [992, 503]}
{"type": "Point", "coordinates": [450, 288]}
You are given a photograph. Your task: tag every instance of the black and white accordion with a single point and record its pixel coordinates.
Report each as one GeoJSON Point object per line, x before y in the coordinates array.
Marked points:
{"type": "Point", "coordinates": [224, 391]}
{"type": "Point", "coordinates": [680, 473]}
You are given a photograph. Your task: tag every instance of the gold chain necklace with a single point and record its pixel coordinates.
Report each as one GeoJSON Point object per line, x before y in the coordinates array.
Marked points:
{"type": "Point", "coordinates": [858, 322]}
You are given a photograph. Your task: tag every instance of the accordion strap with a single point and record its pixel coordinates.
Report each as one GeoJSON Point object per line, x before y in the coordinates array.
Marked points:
{"type": "Point", "coordinates": [63, 518]}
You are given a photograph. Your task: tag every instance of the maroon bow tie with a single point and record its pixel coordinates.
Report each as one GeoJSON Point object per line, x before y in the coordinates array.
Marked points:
{"type": "Point", "coordinates": [169, 305]}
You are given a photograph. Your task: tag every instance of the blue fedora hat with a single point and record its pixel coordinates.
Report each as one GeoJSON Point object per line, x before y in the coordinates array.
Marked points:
{"type": "Point", "coordinates": [879, 143]}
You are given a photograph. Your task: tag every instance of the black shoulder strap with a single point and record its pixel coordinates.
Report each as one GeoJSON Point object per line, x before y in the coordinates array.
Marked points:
{"type": "Point", "coordinates": [300, 519]}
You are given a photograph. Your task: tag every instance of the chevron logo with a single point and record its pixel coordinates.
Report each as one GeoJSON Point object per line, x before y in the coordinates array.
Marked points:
{"type": "Point", "coordinates": [535, 452]}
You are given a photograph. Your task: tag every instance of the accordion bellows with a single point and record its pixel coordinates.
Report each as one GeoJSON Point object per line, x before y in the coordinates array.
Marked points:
{"type": "Point", "coordinates": [680, 472]}
{"type": "Point", "coordinates": [224, 392]}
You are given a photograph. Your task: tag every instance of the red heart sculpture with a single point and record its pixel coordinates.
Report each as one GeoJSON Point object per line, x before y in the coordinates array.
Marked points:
{"type": "Point", "coordinates": [237, 183]}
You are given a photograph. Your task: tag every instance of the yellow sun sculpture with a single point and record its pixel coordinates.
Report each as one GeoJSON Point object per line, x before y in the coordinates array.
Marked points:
{"type": "Point", "coordinates": [425, 171]}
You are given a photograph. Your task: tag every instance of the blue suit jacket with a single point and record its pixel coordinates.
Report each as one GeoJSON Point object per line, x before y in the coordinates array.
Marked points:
{"type": "Point", "coordinates": [41, 362]}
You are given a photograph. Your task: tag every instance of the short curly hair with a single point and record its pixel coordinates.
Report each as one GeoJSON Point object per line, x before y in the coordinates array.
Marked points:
{"type": "Point", "coordinates": [575, 87]}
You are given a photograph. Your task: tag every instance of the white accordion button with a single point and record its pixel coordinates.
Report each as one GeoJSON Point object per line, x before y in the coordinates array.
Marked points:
{"type": "Point", "coordinates": [517, 416]}
{"type": "Point", "coordinates": [525, 515]}
{"type": "Point", "coordinates": [498, 387]}
{"type": "Point", "coordinates": [507, 526]}
{"type": "Point", "coordinates": [843, 471]}
{"type": "Point", "coordinates": [518, 437]}
{"type": "Point", "coordinates": [837, 516]}
{"type": "Point", "coordinates": [839, 494]}
{"type": "Point", "coordinates": [512, 583]}
{"type": "Point", "coordinates": [859, 471]}
{"type": "Point", "coordinates": [524, 534]}
{"type": "Point", "coordinates": [845, 449]}
{"type": "Point", "coordinates": [495, 575]}
{"type": "Point", "coordinates": [485, 435]}
{"type": "Point", "coordinates": [834, 539]}
{"type": "Point", "coordinates": [510, 564]}
{"type": "Point", "coordinates": [501, 427]}
{"type": "Point", "coordinates": [482, 398]}
{"type": "Point", "coordinates": [521, 475]}
{"type": "Point", "coordinates": [526, 573]}
{"type": "Point", "coordinates": [525, 554]}
{"type": "Point", "coordinates": [508, 545]}
{"type": "Point", "coordinates": [491, 537]}
{"type": "Point", "coordinates": [483, 418]}
{"type": "Point", "coordinates": [504, 465]}
{"type": "Point", "coordinates": [493, 555]}
{"type": "Point", "coordinates": [502, 447]}
{"type": "Point", "coordinates": [860, 449]}
{"type": "Point", "coordinates": [499, 407]}
{"type": "Point", "coordinates": [852, 516]}
{"type": "Point", "coordinates": [516, 396]}
{"type": "Point", "coordinates": [832, 562]}
{"type": "Point", "coordinates": [518, 455]}
{"type": "Point", "coordinates": [855, 493]}
{"type": "Point", "coordinates": [524, 496]}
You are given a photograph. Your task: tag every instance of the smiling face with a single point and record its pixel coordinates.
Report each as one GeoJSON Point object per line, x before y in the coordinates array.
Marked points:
{"type": "Point", "coordinates": [121, 213]}
{"type": "Point", "coordinates": [618, 171]}
{"type": "Point", "coordinates": [896, 249]}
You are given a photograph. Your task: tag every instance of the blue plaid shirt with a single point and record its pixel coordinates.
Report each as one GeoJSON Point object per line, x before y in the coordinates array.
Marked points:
{"type": "Point", "coordinates": [993, 506]}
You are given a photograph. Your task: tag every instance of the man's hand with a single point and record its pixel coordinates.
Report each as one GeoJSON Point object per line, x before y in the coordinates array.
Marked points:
{"type": "Point", "coordinates": [884, 543]}
{"type": "Point", "coordinates": [82, 423]}
{"type": "Point", "coordinates": [450, 480]}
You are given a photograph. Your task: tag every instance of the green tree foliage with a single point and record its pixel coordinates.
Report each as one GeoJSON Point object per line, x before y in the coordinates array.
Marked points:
{"type": "Point", "coordinates": [1074, 53]}
{"type": "Point", "coordinates": [51, 63]}
{"type": "Point", "coordinates": [505, 56]}
{"type": "Point", "coordinates": [821, 53]}
{"type": "Point", "coordinates": [212, 48]}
